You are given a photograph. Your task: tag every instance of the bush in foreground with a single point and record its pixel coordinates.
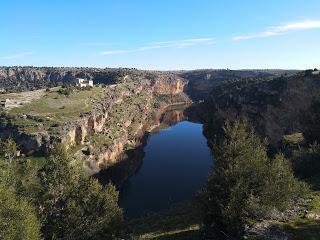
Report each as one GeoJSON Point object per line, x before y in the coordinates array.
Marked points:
{"type": "Point", "coordinates": [246, 185]}
{"type": "Point", "coordinates": [59, 199]}
{"type": "Point", "coordinates": [18, 220]}
{"type": "Point", "coordinates": [74, 206]}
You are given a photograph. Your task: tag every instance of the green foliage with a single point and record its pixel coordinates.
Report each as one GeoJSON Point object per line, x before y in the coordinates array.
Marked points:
{"type": "Point", "coordinates": [1, 148]}
{"type": "Point", "coordinates": [67, 90]}
{"type": "Point", "coordinates": [281, 186]}
{"type": "Point", "coordinates": [21, 175]}
{"type": "Point", "coordinates": [18, 219]}
{"type": "Point", "coordinates": [53, 110]}
{"type": "Point", "coordinates": [246, 185]}
{"type": "Point", "coordinates": [303, 229]}
{"type": "Point", "coordinates": [86, 88]}
{"type": "Point", "coordinates": [310, 123]}
{"type": "Point", "coordinates": [306, 162]}
{"type": "Point", "coordinates": [8, 174]}
{"type": "Point", "coordinates": [10, 149]}
{"type": "Point", "coordinates": [74, 206]}
{"type": "Point", "coordinates": [70, 204]}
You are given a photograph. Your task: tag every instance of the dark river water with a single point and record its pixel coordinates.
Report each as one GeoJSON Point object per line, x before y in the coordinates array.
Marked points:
{"type": "Point", "coordinates": [175, 165]}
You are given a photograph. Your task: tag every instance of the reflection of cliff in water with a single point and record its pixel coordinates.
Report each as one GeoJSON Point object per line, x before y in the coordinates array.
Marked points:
{"type": "Point", "coordinates": [133, 159]}
{"type": "Point", "coordinates": [125, 168]}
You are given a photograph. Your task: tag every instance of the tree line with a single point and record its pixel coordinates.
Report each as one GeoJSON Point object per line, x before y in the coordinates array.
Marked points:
{"type": "Point", "coordinates": [54, 201]}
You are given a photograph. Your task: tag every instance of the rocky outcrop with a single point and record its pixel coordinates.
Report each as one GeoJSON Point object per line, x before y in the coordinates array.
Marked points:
{"type": "Point", "coordinates": [132, 136]}
{"type": "Point", "coordinates": [31, 78]}
{"type": "Point", "coordinates": [273, 106]}
{"type": "Point", "coordinates": [169, 84]}
{"type": "Point", "coordinates": [133, 107]}
{"type": "Point", "coordinates": [202, 82]}
{"type": "Point", "coordinates": [121, 118]}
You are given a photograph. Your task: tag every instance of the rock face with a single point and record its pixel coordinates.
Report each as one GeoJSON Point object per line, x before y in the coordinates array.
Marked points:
{"type": "Point", "coordinates": [120, 119]}
{"type": "Point", "coordinates": [31, 78]}
{"type": "Point", "coordinates": [203, 82]}
{"type": "Point", "coordinates": [131, 159]}
{"type": "Point", "coordinates": [273, 106]}
{"type": "Point", "coordinates": [133, 102]}
{"type": "Point", "coordinates": [169, 84]}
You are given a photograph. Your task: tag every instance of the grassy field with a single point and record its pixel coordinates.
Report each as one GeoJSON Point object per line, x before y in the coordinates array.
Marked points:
{"type": "Point", "coordinates": [58, 106]}
{"type": "Point", "coordinates": [53, 109]}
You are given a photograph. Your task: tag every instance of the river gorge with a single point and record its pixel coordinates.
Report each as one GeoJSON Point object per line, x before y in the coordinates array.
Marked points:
{"type": "Point", "coordinates": [151, 134]}
{"type": "Point", "coordinates": [171, 166]}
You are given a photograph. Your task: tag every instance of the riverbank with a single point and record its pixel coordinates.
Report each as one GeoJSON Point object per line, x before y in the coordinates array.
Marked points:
{"type": "Point", "coordinates": [181, 221]}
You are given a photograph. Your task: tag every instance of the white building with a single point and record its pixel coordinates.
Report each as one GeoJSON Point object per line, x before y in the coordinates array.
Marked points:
{"type": "Point", "coordinates": [83, 82]}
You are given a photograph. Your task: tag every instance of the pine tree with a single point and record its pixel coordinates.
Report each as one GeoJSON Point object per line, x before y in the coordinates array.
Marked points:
{"type": "Point", "coordinates": [245, 185]}
{"type": "Point", "coordinates": [73, 205]}
{"type": "Point", "coordinates": [18, 219]}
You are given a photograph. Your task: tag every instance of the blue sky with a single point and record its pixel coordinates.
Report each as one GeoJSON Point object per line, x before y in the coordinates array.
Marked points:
{"type": "Point", "coordinates": [161, 34]}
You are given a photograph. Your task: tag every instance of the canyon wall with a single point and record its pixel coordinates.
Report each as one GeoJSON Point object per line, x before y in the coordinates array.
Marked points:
{"type": "Point", "coordinates": [202, 82]}
{"type": "Point", "coordinates": [134, 105]}
{"type": "Point", "coordinates": [273, 107]}
{"type": "Point", "coordinates": [31, 78]}
{"type": "Point", "coordinates": [120, 119]}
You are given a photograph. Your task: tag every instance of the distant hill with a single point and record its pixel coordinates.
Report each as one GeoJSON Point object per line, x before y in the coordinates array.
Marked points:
{"type": "Point", "coordinates": [31, 78]}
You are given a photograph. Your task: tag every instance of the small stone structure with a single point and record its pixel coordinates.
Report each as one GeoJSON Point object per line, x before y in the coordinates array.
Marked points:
{"type": "Point", "coordinates": [317, 72]}
{"type": "Point", "coordinates": [83, 82]}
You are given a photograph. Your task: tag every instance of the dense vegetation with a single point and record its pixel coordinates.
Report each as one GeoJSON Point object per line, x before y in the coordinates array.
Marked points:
{"type": "Point", "coordinates": [306, 157]}
{"type": "Point", "coordinates": [55, 200]}
{"type": "Point", "coordinates": [246, 184]}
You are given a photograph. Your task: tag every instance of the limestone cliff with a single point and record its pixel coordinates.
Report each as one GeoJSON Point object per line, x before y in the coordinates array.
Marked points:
{"type": "Point", "coordinates": [121, 117]}
{"type": "Point", "coordinates": [132, 103]}
{"type": "Point", "coordinates": [273, 106]}
{"type": "Point", "coordinates": [169, 84]}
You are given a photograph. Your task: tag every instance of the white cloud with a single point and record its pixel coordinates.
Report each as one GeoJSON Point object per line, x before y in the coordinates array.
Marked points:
{"type": "Point", "coordinates": [186, 42]}
{"type": "Point", "coordinates": [113, 52]}
{"type": "Point", "coordinates": [17, 55]}
{"type": "Point", "coordinates": [167, 44]}
{"type": "Point", "coordinates": [281, 29]}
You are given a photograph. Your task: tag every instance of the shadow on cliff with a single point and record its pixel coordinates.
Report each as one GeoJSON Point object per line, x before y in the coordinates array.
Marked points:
{"type": "Point", "coordinates": [132, 159]}
{"type": "Point", "coordinates": [119, 173]}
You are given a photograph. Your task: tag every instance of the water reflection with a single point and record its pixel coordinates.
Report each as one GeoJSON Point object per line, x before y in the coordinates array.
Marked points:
{"type": "Point", "coordinates": [172, 163]}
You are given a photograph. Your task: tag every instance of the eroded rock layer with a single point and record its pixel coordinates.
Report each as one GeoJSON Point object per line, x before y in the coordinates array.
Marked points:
{"type": "Point", "coordinates": [117, 120]}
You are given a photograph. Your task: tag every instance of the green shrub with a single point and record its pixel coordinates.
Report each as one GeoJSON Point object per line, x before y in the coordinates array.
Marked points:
{"type": "Point", "coordinates": [75, 206]}
{"type": "Point", "coordinates": [246, 185]}
{"type": "Point", "coordinates": [65, 91]}
{"type": "Point", "coordinates": [18, 219]}
{"type": "Point", "coordinates": [310, 123]}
